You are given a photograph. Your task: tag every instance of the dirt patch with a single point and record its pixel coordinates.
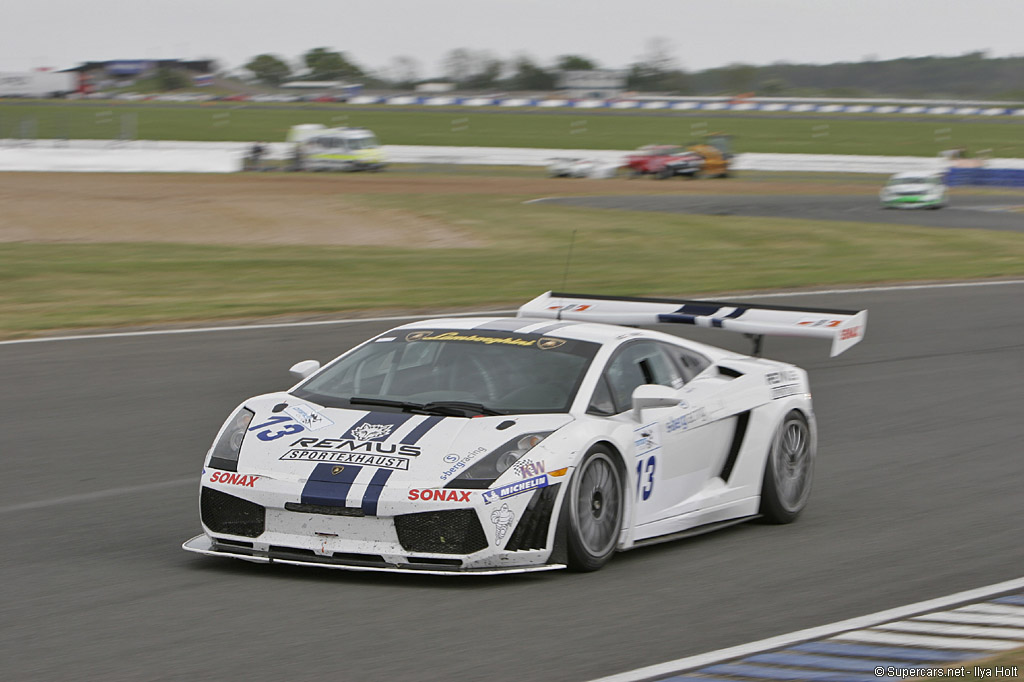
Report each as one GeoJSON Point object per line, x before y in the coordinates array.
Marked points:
{"type": "Point", "coordinates": [305, 209]}
{"type": "Point", "coordinates": [203, 209]}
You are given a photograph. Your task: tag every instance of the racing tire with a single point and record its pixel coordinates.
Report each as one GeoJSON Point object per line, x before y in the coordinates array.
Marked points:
{"type": "Point", "coordinates": [664, 174]}
{"type": "Point", "coordinates": [596, 502]}
{"type": "Point", "coordinates": [788, 471]}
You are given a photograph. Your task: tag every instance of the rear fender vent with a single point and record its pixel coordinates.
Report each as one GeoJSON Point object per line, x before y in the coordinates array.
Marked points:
{"type": "Point", "coordinates": [729, 372]}
{"type": "Point", "coordinates": [738, 434]}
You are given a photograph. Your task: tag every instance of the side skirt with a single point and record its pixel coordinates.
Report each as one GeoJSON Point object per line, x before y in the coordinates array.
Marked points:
{"type": "Point", "coordinates": [690, 532]}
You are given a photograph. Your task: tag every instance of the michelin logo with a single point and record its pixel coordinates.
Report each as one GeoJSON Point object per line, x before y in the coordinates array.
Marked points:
{"type": "Point", "coordinates": [515, 488]}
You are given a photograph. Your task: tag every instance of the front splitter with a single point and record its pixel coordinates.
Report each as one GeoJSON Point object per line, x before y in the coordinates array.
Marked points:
{"type": "Point", "coordinates": [202, 544]}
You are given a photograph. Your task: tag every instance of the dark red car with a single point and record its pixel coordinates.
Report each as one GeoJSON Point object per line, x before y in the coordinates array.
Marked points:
{"type": "Point", "coordinates": [664, 161]}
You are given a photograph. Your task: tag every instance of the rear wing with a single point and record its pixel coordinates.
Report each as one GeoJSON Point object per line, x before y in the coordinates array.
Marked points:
{"type": "Point", "coordinates": [843, 328]}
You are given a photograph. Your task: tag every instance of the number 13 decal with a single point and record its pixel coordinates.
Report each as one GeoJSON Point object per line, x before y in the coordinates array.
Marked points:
{"type": "Point", "coordinates": [274, 434]}
{"type": "Point", "coordinates": [645, 477]}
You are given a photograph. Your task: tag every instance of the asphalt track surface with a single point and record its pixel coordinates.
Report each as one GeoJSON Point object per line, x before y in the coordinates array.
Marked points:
{"type": "Point", "coordinates": [979, 212]}
{"type": "Point", "coordinates": [917, 495]}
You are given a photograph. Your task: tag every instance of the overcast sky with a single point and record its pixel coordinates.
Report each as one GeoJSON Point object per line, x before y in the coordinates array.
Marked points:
{"type": "Point", "coordinates": [615, 33]}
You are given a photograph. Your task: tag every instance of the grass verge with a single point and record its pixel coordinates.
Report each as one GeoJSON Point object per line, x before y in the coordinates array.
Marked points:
{"type": "Point", "coordinates": [538, 128]}
{"type": "Point", "coordinates": [46, 286]}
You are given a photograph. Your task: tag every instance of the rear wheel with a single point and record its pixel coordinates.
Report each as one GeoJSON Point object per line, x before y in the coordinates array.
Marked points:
{"type": "Point", "coordinates": [788, 471]}
{"type": "Point", "coordinates": [595, 501]}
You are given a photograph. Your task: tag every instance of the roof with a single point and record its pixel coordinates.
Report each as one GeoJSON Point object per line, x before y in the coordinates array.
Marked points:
{"type": "Point", "coordinates": [594, 332]}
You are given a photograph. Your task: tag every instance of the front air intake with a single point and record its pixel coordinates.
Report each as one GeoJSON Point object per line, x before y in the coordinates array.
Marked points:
{"type": "Point", "coordinates": [223, 513]}
{"type": "Point", "coordinates": [456, 531]}
{"type": "Point", "coordinates": [532, 531]}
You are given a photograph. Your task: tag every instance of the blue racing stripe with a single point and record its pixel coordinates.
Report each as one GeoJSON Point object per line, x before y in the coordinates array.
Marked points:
{"type": "Point", "coordinates": [770, 673]}
{"type": "Point", "coordinates": [677, 318]}
{"type": "Point", "coordinates": [551, 327]}
{"type": "Point", "coordinates": [1012, 599]}
{"type": "Point", "coordinates": [894, 653]}
{"type": "Point", "coordinates": [329, 484]}
{"type": "Point", "coordinates": [420, 430]}
{"type": "Point", "coordinates": [374, 489]}
{"type": "Point", "coordinates": [700, 309]}
{"type": "Point", "coordinates": [377, 426]}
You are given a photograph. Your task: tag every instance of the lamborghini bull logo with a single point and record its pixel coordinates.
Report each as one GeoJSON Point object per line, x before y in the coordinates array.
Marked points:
{"type": "Point", "coordinates": [547, 343]}
{"type": "Point", "coordinates": [371, 431]}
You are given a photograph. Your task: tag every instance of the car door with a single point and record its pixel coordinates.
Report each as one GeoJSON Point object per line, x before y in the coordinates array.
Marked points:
{"type": "Point", "coordinates": [672, 448]}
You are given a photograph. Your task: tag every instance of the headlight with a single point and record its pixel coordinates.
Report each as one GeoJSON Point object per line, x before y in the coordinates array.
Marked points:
{"type": "Point", "coordinates": [229, 443]}
{"type": "Point", "coordinates": [483, 473]}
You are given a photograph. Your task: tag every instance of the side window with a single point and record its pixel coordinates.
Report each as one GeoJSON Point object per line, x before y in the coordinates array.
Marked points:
{"type": "Point", "coordinates": [690, 363]}
{"type": "Point", "coordinates": [642, 362]}
{"type": "Point", "coordinates": [601, 402]}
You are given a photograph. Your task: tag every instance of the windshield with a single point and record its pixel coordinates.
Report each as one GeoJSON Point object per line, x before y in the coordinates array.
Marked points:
{"type": "Point", "coordinates": [434, 370]}
{"type": "Point", "coordinates": [913, 180]}
{"type": "Point", "coordinates": [368, 142]}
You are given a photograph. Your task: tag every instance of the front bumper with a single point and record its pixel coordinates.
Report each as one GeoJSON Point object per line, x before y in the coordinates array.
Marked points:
{"type": "Point", "coordinates": [204, 544]}
{"type": "Point", "coordinates": [271, 521]}
{"type": "Point", "coordinates": [911, 202]}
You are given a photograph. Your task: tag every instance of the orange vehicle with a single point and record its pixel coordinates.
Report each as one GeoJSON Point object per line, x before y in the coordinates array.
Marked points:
{"type": "Point", "coordinates": [710, 157]}
{"type": "Point", "coordinates": [716, 150]}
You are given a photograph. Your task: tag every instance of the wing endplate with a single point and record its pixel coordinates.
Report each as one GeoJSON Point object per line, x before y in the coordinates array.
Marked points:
{"type": "Point", "coordinates": [844, 328]}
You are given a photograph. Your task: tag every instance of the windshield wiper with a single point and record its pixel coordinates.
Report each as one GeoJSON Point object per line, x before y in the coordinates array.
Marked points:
{"type": "Point", "coordinates": [463, 406]}
{"type": "Point", "coordinates": [404, 406]}
{"type": "Point", "coordinates": [450, 408]}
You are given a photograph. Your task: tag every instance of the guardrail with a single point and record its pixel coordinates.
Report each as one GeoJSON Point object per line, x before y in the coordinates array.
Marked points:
{"type": "Point", "coordinates": [227, 157]}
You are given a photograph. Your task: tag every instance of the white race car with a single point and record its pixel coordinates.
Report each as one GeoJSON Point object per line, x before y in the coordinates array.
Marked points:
{"type": "Point", "coordinates": [914, 190]}
{"type": "Point", "coordinates": [496, 445]}
{"type": "Point", "coordinates": [567, 167]}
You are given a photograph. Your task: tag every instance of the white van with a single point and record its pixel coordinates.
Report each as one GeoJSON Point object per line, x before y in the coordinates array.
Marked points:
{"type": "Point", "coordinates": [320, 148]}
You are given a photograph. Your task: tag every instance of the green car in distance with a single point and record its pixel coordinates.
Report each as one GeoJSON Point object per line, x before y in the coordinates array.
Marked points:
{"type": "Point", "coordinates": [914, 190]}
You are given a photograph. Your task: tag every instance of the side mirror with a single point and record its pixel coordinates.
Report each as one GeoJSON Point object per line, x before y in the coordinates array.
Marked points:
{"type": "Point", "coordinates": [647, 396]}
{"type": "Point", "coordinates": [301, 370]}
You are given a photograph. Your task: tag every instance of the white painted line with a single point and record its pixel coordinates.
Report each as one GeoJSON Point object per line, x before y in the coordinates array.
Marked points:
{"type": "Point", "coordinates": [958, 630]}
{"type": "Point", "coordinates": [972, 618]}
{"type": "Point", "coordinates": [399, 318]}
{"type": "Point", "coordinates": [895, 287]}
{"type": "Point", "coordinates": [244, 327]}
{"type": "Point", "coordinates": [1003, 609]}
{"type": "Point", "coordinates": [98, 495]}
{"type": "Point", "coordinates": [820, 632]}
{"type": "Point", "coordinates": [969, 643]}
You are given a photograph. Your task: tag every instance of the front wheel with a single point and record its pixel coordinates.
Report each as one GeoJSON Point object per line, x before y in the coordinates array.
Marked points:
{"type": "Point", "coordinates": [596, 503]}
{"type": "Point", "coordinates": [787, 473]}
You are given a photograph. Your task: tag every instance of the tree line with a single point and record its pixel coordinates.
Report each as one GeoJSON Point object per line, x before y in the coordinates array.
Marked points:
{"type": "Point", "coordinates": [972, 75]}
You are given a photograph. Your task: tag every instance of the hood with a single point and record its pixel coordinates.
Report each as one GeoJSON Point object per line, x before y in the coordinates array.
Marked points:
{"type": "Point", "coordinates": [289, 437]}
{"type": "Point", "coordinates": [913, 188]}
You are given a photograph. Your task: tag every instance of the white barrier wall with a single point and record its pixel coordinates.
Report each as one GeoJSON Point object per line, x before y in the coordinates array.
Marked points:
{"type": "Point", "coordinates": [141, 156]}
